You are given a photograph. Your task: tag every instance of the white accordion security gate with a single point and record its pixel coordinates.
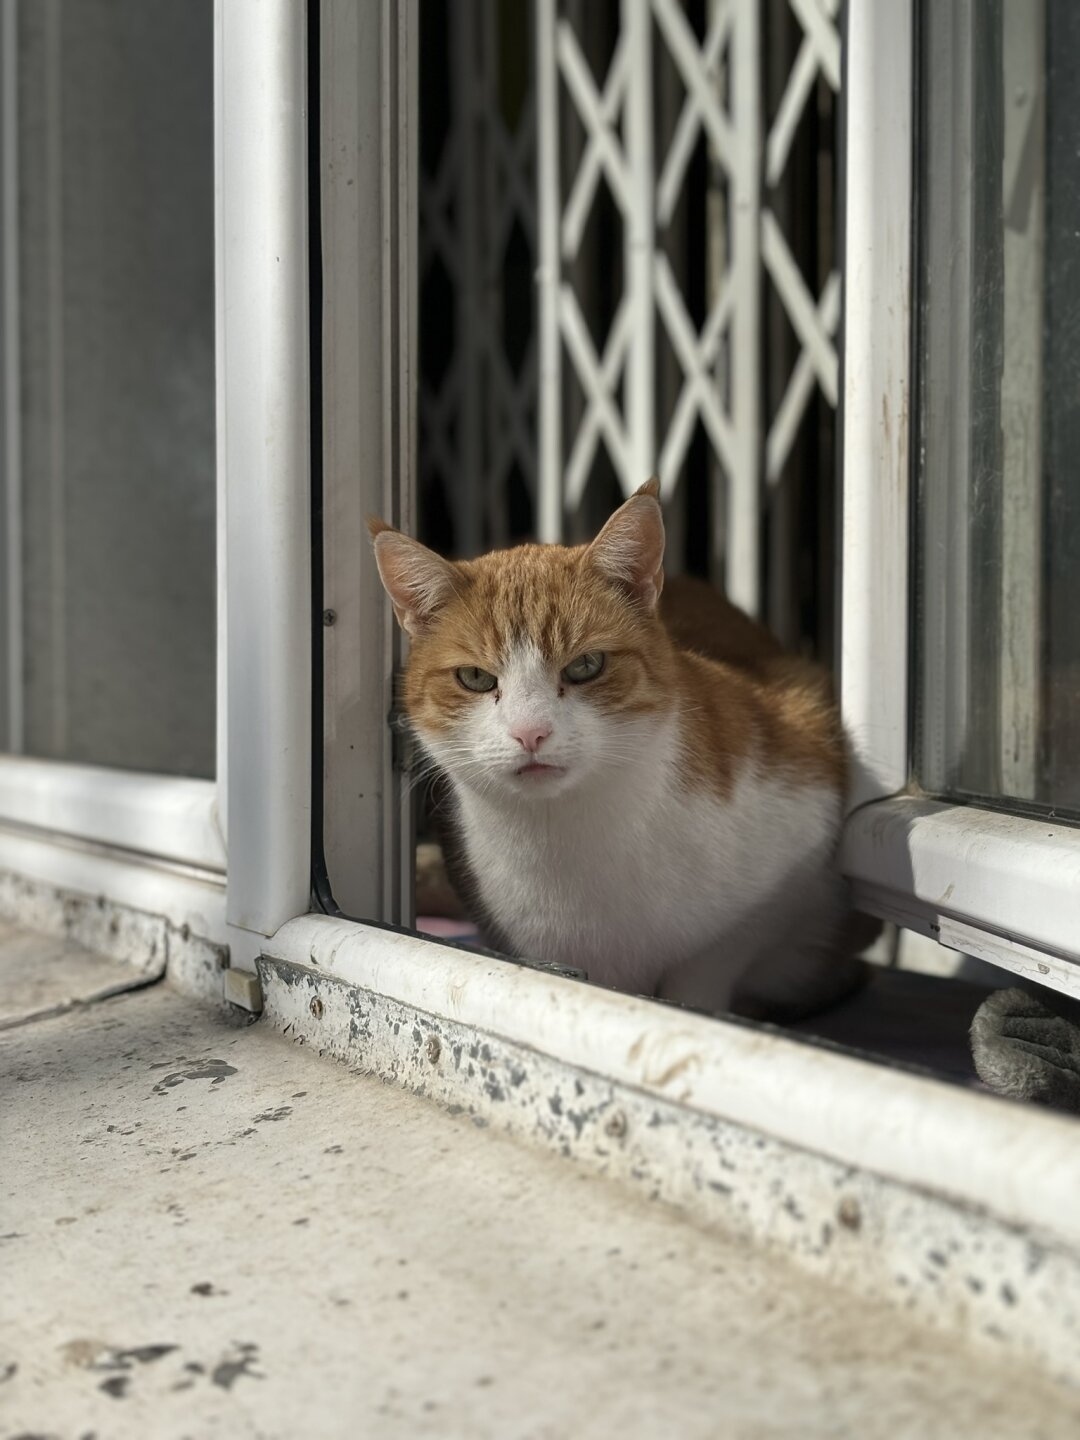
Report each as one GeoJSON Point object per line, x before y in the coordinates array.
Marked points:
{"type": "Point", "coordinates": [654, 375]}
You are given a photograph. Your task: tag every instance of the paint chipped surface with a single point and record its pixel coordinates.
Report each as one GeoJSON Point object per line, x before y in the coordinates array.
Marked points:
{"type": "Point", "coordinates": [215, 1071]}
{"type": "Point", "coordinates": [847, 1226]}
{"type": "Point", "coordinates": [446, 1282]}
{"type": "Point", "coordinates": [60, 948]}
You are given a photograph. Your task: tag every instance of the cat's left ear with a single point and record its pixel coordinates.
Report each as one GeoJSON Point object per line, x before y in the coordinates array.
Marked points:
{"type": "Point", "coordinates": [630, 547]}
{"type": "Point", "coordinates": [418, 581]}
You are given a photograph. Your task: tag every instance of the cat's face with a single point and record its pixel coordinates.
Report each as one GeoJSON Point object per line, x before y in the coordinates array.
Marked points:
{"type": "Point", "coordinates": [536, 670]}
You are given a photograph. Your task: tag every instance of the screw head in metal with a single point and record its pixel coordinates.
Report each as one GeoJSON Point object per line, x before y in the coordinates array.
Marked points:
{"type": "Point", "coordinates": [316, 1007]}
{"type": "Point", "coordinates": [329, 616]}
{"type": "Point", "coordinates": [616, 1125]}
{"type": "Point", "coordinates": [433, 1048]}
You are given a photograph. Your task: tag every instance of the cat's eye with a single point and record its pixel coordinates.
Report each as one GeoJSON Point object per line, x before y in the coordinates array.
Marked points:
{"type": "Point", "coordinates": [473, 678]}
{"type": "Point", "coordinates": [585, 667]}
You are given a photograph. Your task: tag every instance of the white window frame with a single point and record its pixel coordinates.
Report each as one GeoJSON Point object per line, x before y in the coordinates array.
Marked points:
{"type": "Point", "coordinates": [1003, 887]}
{"type": "Point", "coordinates": [163, 817]}
{"type": "Point", "coordinates": [164, 842]}
{"type": "Point", "coordinates": [84, 826]}
{"type": "Point", "coordinates": [263, 440]}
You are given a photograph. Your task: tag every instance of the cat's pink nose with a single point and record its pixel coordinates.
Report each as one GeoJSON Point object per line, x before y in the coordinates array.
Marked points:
{"type": "Point", "coordinates": [531, 737]}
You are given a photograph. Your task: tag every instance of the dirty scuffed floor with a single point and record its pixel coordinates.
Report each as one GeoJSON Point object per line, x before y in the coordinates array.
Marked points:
{"type": "Point", "coordinates": [205, 1231]}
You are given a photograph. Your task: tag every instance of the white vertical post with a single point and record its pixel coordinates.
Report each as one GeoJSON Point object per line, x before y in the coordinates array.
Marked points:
{"type": "Point", "coordinates": [549, 471]}
{"type": "Point", "coordinates": [368, 126]}
{"type": "Point", "coordinates": [744, 484]}
{"type": "Point", "coordinates": [264, 452]}
{"type": "Point", "coordinates": [876, 395]}
{"type": "Point", "coordinates": [639, 243]}
{"type": "Point", "coordinates": [1023, 241]}
{"type": "Point", "coordinates": [11, 650]}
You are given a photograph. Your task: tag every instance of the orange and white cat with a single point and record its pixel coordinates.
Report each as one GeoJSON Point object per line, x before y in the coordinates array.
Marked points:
{"type": "Point", "coordinates": [650, 792]}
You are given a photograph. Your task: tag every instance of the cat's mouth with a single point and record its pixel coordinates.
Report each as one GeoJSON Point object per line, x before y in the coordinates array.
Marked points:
{"type": "Point", "coordinates": [537, 769]}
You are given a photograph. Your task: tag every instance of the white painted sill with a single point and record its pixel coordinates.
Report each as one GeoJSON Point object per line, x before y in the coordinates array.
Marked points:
{"type": "Point", "coordinates": [1002, 887]}
{"type": "Point", "coordinates": [975, 1150]}
{"type": "Point", "coordinates": [161, 817]}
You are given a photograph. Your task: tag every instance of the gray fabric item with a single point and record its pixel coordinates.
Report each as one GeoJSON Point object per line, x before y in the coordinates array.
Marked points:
{"type": "Point", "coordinates": [1027, 1046]}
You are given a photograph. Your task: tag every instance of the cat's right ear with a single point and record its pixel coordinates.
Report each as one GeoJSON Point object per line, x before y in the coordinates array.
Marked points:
{"type": "Point", "coordinates": [418, 581]}
{"type": "Point", "coordinates": [630, 547]}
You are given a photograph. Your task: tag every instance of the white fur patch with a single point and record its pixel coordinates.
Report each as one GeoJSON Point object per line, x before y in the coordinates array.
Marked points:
{"type": "Point", "coordinates": [616, 867]}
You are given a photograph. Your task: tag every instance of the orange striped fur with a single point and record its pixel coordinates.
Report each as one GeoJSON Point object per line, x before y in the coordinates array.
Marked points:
{"type": "Point", "coordinates": [737, 688]}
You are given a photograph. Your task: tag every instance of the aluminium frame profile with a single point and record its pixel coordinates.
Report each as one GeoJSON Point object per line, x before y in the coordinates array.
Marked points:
{"type": "Point", "coordinates": [1001, 887]}
{"type": "Point", "coordinates": [160, 840]}
{"type": "Point", "coordinates": [157, 840]}
{"type": "Point", "coordinates": [261, 193]}
{"type": "Point", "coordinates": [367, 195]}
{"type": "Point", "coordinates": [157, 843]}
{"type": "Point", "coordinates": [947, 344]}
{"type": "Point", "coordinates": [163, 817]}
{"type": "Point", "coordinates": [878, 111]}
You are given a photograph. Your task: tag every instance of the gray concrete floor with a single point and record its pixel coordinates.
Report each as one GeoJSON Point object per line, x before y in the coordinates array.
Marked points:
{"type": "Point", "coordinates": [205, 1231]}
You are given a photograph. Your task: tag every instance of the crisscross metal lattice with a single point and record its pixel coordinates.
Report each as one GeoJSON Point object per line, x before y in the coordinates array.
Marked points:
{"type": "Point", "coordinates": [720, 74]}
{"type": "Point", "coordinates": [635, 359]}
{"type": "Point", "coordinates": [815, 321]}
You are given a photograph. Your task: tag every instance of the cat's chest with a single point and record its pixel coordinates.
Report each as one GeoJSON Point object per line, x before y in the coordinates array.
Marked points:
{"type": "Point", "coordinates": [623, 884]}
{"type": "Point", "coordinates": [575, 865]}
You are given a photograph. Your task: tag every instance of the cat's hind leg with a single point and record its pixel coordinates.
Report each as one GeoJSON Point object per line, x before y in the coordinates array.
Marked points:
{"type": "Point", "coordinates": [791, 983]}
{"type": "Point", "coordinates": [779, 968]}
{"type": "Point", "coordinates": [782, 983]}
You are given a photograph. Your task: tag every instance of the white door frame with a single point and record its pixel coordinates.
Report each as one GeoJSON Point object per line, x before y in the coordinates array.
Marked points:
{"type": "Point", "coordinates": [263, 437]}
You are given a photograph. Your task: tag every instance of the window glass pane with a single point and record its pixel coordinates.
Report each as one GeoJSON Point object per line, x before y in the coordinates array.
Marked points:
{"type": "Point", "coordinates": [115, 388]}
{"type": "Point", "coordinates": [997, 702]}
